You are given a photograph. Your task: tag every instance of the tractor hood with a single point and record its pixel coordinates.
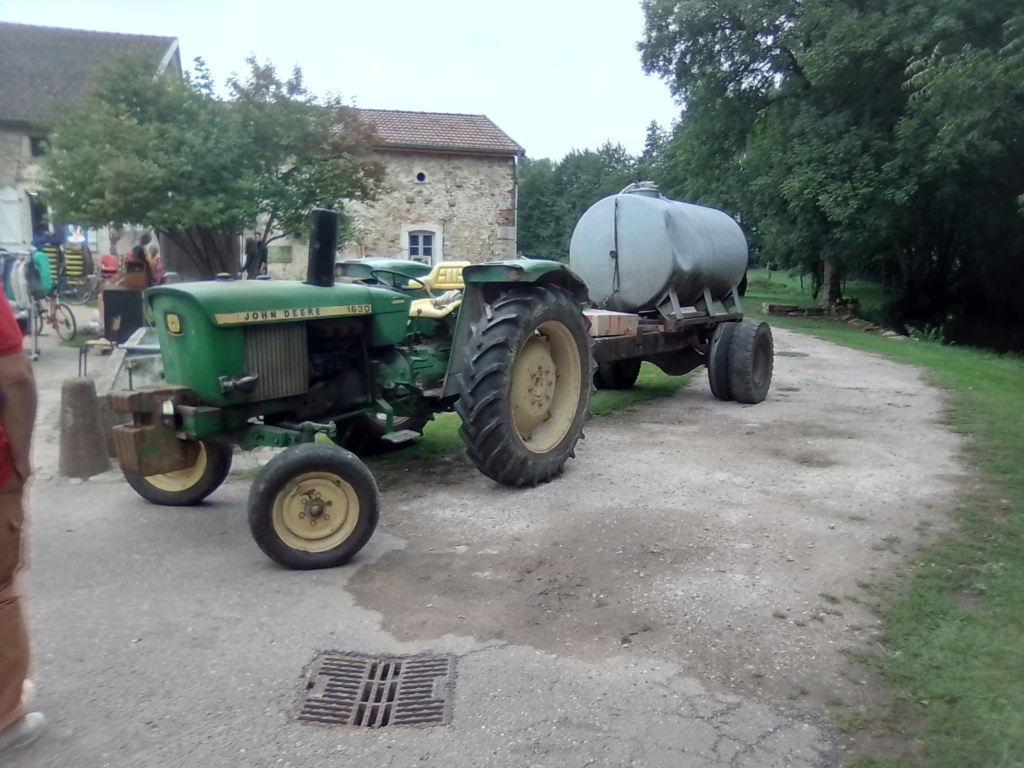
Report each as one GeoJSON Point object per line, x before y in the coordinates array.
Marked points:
{"type": "Point", "coordinates": [245, 302]}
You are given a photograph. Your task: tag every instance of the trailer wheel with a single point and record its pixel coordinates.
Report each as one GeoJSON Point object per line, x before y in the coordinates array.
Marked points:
{"type": "Point", "coordinates": [718, 361]}
{"type": "Point", "coordinates": [525, 385]}
{"type": "Point", "coordinates": [618, 374]}
{"type": "Point", "coordinates": [365, 434]}
{"type": "Point", "coordinates": [313, 506]}
{"type": "Point", "coordinates": [186, 487]}
{"type": "Point", "coordinates": [751, 359]}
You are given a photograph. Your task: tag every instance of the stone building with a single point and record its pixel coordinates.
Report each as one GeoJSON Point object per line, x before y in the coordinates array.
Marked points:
{"type": "Point", "coordinates": [450, 192]}
{"type": "Point", "coordinates": [41, 69]}
{"type": "Point", "coordinates": [451, 189]}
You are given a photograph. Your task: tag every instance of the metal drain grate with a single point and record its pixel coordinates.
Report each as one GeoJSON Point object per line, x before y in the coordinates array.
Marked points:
{"type": "Point", "coordinates": [375, 693]}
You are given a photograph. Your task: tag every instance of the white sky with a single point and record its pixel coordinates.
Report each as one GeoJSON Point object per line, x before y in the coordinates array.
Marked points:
{"type": "Point", "coordinates": [555, 75]}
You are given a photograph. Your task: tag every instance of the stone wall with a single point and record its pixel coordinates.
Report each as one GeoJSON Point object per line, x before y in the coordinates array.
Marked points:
{"type": "Point", "coordinates": [468, 202]}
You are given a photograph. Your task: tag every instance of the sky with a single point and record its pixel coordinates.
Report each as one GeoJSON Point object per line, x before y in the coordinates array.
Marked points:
{"type": "Point", "coordinates": [555, 75]}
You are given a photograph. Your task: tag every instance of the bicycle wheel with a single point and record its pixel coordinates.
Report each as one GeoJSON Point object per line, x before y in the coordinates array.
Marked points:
{"type": "Point", "coordinates": [64, 323]}
{"type": "Point", "coordinates": [77, 290]}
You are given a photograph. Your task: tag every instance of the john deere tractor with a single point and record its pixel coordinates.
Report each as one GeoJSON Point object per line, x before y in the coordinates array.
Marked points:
{"type": "Point", "coordinates": [366, 363]}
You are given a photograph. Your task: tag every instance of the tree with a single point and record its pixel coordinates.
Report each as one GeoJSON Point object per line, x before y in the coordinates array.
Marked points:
{"type": "Point", "coordinates": [304, 151]}
{"type": "Point", "coordinates": [541, 211]}
{"type": "Point", "coordinates": [648, 165]}
{"type": "Point", "coordinates": [801, 118]}
{"type": "Point", "coordinates": [553, 196]}
{"type": "Point", "coordinates": [162, 151]}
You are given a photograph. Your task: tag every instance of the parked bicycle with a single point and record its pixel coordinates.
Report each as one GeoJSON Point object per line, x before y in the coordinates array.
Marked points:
{"type": "Point", "coordinates": [56, 314]}
{"type": "Point", "coordinates": [77, 289]}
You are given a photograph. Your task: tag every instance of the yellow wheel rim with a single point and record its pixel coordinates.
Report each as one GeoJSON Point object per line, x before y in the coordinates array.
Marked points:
{"type": "Point", "coordinates": [546, 383]}
{"type": "Point", "coordinates": [182, 479]}
{"type": "Point", "coordinates": [315, 512]}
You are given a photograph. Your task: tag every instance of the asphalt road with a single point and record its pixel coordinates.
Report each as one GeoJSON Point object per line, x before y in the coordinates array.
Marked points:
{"type": "Point", "coordinates": [166, 638]}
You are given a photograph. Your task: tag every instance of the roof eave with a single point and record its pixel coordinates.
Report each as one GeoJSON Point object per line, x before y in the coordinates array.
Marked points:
{"type": "Point", "coordinates": [453, 150]}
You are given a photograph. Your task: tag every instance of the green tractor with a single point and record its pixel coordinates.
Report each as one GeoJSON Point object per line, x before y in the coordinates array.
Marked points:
{"type": "Point", "coordinates": [366, 363]}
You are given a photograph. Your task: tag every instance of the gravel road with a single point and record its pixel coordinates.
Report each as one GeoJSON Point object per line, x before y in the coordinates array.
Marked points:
{"type": "Point", "coordinates": [733, 540]}
{"type": "Point", "coordinates": [684, 595]}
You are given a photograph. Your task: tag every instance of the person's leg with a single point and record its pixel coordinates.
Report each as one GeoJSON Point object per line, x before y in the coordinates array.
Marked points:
{"type": "Point", "coordinates": [14, 648]}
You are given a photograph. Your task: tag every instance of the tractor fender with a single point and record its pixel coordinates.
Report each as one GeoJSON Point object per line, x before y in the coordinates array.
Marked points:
{"type": "Point", "coordinates": [485, 283]}
{"type": "Point", "coordinates": [519, 271]}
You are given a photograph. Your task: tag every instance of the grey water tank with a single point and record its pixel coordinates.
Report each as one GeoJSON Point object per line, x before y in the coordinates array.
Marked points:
{"type": "Point", "coordinates": [633, 248]}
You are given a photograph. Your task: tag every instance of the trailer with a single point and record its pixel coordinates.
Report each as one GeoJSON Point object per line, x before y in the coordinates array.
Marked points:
{"type": "Point", "coordinates": [664, 280]}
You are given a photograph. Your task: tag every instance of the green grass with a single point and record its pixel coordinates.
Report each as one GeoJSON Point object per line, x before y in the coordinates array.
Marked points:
{"type": "Point", "coordinates": [784, 288]}
{"type": "Point", "coordinates": [953, 632]}
{"type": "Point", "coordinates": [441, 437]}
{"type": "Point", "coordinates": [652, 384]}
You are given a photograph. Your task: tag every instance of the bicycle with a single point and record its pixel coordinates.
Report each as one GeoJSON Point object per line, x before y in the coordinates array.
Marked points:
{"type": "Point", "coordinates": [58, 315]}
{"type": "Point", "coordinates": [79, 289]}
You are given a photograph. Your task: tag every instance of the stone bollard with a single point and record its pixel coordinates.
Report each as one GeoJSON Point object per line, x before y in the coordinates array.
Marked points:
{"type": "Point", "coordinates": [82, 443]}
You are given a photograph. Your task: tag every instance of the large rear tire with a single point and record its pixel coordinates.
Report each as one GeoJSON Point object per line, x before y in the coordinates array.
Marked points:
{"type": "Point", "coordinates": [186, 487]}
{"type": "Point", "coordinates": [619, 374]}
{"type": "Point", "coordinates": [313, 506]}
{"type": "Point", "coordinates": [718, 360]}
{"type": "Point", "coordinates": [525, 385]}
{"type": "Point", "coordinates": [364, 436]}
{"type": "Point", "coordinates": [751, 360]}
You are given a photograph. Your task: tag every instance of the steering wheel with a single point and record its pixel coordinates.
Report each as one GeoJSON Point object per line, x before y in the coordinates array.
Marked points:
{"type": "Point", "coordinates": [395, 277]}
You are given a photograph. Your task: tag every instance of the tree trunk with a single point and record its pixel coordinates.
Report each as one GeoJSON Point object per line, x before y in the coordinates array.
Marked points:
{"type": "Point", "coordinates": [199, 254]}
{"type": "Point", "coordinates": [831, 284]}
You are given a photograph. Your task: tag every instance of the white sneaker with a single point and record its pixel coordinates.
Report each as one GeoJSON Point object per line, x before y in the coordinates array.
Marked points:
{"type": "Point", "coordinates": [23, 731]}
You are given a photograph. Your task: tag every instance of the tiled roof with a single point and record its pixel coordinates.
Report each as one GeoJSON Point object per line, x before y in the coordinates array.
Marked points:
{"type": "Point", "coordinates": [440, 131]}
{"type": "Point", "coordinates": [42, 68]}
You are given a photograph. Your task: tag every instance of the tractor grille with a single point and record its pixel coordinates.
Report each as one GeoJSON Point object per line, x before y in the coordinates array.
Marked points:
{"type": "Point", "coordinates": [277, 353]}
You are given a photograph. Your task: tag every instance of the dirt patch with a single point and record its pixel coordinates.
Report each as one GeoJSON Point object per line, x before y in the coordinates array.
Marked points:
{"type": "Point", "coordinates": [735, 540]}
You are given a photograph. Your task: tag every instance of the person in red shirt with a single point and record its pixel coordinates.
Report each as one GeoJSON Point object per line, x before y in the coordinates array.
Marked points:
{"type": "Point", "coordinates": [17, 417]}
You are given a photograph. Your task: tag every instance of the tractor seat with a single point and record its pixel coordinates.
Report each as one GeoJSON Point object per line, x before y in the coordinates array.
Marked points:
{"type": "Point", "coordinates": [436, 307]}
{"type": "Point", "coordinates": [445, 276]}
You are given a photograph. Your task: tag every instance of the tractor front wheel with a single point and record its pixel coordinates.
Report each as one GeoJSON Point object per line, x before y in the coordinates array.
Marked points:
{"type": "Point", "coordinates": [186, 487]}
{"type": "Point", "coordinates": [525, 385]}
{"type": "Point", "coordinates": [313, 506]}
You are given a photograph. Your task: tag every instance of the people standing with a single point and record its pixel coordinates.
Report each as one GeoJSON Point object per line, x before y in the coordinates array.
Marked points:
{"type": "Point", "coordinates": [262, 255]}
{"type": "Point", "coordinates": [42, 279]}
{"type": "Point", "coordinates": [18, 726]}
{"type": "Point", "coordinates": [156, 265]}
{"type": "Point", "coordinates": [252, 256]}
{"type": "Point", "coordinates": [137, 256]}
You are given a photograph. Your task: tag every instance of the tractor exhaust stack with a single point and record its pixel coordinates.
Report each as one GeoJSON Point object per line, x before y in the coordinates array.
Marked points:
{"type": "Point", "coordinates": [323, 244]}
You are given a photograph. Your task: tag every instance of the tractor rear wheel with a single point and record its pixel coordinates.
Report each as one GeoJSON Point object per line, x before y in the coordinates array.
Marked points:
{"type": "Point", "coordinates": [365, 434]}
{"type": "Point", "coordinates": [313, 506]}
{"type": "Point", "coordinates": [718, 360]}
{"type": "Point", "coordinates": [186, 487]}
{"type": "Point", "coordinates": [751, 359]}
{"type": "Point", "coordinates": [525, 385]}
{"type": "Point", "coordinates": [619, 374]}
